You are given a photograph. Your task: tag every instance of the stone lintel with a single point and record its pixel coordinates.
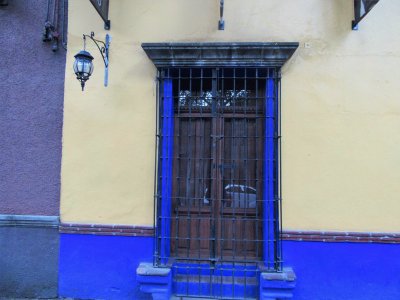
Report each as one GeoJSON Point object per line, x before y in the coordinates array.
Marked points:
{"type": "Point", "coordinates": [166, 55]}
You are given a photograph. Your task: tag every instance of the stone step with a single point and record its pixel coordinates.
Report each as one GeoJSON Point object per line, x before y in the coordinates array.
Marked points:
{"type": "Point", "coordinates": [220, 287]}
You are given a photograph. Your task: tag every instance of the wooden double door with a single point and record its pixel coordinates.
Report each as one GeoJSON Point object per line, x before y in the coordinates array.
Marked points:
{"type": "Point", "coordinates": [217, 186]}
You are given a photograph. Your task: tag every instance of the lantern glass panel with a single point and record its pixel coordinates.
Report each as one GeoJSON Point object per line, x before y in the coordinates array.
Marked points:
{"type": "Point", "coordinates": [87, 67]}
{"type": "Point", "coordinates": [83, 66]}
{"type": "Point", "coordinates": [76, 66]}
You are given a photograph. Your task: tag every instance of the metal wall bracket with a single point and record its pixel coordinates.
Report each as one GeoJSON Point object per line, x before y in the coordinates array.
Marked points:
{"type": "Point", "coordinates": [361, 9]}
{"type": "Point", "coordinates": [221, 22]}
{"type": "Point", "coordinates": [104, 49]}
{"type": "Point", "coordinates": [102, 8]}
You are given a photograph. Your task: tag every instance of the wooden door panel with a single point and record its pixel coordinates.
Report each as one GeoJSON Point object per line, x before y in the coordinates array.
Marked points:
{"type": "Point", "coordinates": [192, 237]}
{"type": "Point", "coordinates": [192, 201]}
{"type": "Point", "coordinates": [217, 187]}
{"type": "Point", "coordinates": [238, 239]}
{"type": "Point", "coordinates": [192, 162]}
{"type": "Point", "coordinates": [242, 191]}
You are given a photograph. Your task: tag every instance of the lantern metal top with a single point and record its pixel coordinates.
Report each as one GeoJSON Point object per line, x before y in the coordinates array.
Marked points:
{"type": "Point", "coordinates": [85, 54]}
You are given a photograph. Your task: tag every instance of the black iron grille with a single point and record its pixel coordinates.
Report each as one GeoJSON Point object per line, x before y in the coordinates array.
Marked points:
{"type": "Point", "coordinates": [217, 197]}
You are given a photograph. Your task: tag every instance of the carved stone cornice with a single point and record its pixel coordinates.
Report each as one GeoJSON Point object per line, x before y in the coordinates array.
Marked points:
{"type": "Point", "coordinates": [166, 55]}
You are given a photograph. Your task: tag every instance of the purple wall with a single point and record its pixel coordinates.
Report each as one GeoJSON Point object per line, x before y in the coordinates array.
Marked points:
{"type": "Point", "coordinates": [31, 111]}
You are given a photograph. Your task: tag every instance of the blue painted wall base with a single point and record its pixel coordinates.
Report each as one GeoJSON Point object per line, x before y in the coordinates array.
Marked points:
{"type": "Point", "coordinates": [337, 271]}
{"type": "Point", "coordinates": [275, 286]}
{"type": "Point", "coordinates": [102, 267]}
{"type": "Point", "coordinates": [155, 281]}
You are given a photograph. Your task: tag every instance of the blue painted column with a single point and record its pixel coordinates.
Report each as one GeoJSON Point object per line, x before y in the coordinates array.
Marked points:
{"type": "Point", "coordinates": [269, 173]}
{"type": "Point", "coordinates": [166, 168]}
{"type": "Point", "coordinates": [273, 285]}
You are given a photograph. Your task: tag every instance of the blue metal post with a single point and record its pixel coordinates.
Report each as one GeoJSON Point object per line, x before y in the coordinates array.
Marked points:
{"type": "Point", "coordinates": [106, 59]}
{"type": "Point", "coordinates": [166, 168]}
{"type": "Point", "coordinates": [269, 174]}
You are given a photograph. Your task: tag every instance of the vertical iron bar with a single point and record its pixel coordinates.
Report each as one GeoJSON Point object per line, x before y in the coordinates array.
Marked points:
{"type": "Point", "coordinates": [222, 237]}
{"type": "Point", "coordinates": [246, 139]}
{"type": "Point", "coordinates": [276, 174]}
{"type": "Point", "coordinates": [215, 144]}
{"type": "Point", "coordinates": [159, 184]}
{"type": "Point", "coordinates": [201, 163]}
{"type": "Point", "coordinates": [279, 117]}
{"type": "Point", "coordinates": [236, 157]}
{"type": "Point", "coordinates": [157, 171]}
{"type": "Point", "coordinates": [247, 200]}
{"type": "Point", "coordinates": [257, 166]}
{"type": "Point", "coordinates": [178, 183]}
{"type": "Point", "coordinates": [188, 197]}
{"type": "Point", "coordinates": [216, 186]}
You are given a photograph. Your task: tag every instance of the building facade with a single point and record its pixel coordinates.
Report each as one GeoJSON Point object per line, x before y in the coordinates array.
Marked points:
{"type": "Point", "coordinates": [254, 162]}
{"type": "Point", "coordinates": [31, 93]}
{"type": "Point", "coordinates": [339, 143]}
{"type": "Point", "coordinates": [31, 114]}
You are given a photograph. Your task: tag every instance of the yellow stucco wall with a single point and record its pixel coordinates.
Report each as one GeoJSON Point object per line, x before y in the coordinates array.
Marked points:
{"type": "Point", "coordinates": [340, 101]}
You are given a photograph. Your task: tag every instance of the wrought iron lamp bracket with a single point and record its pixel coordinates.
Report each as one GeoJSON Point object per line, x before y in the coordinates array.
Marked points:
{"type": "Point", "coordinates": [104, 48]}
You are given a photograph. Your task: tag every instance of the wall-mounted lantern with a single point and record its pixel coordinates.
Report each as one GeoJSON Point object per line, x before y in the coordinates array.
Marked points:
{"type": "Point", "coordinates": [83, 65]}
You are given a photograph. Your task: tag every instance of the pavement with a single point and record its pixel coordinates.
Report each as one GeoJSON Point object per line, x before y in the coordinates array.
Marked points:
{"type": "Point", "coordinates": [172, 298]}
{"type": "Point", "coordinates": [8, 298]}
